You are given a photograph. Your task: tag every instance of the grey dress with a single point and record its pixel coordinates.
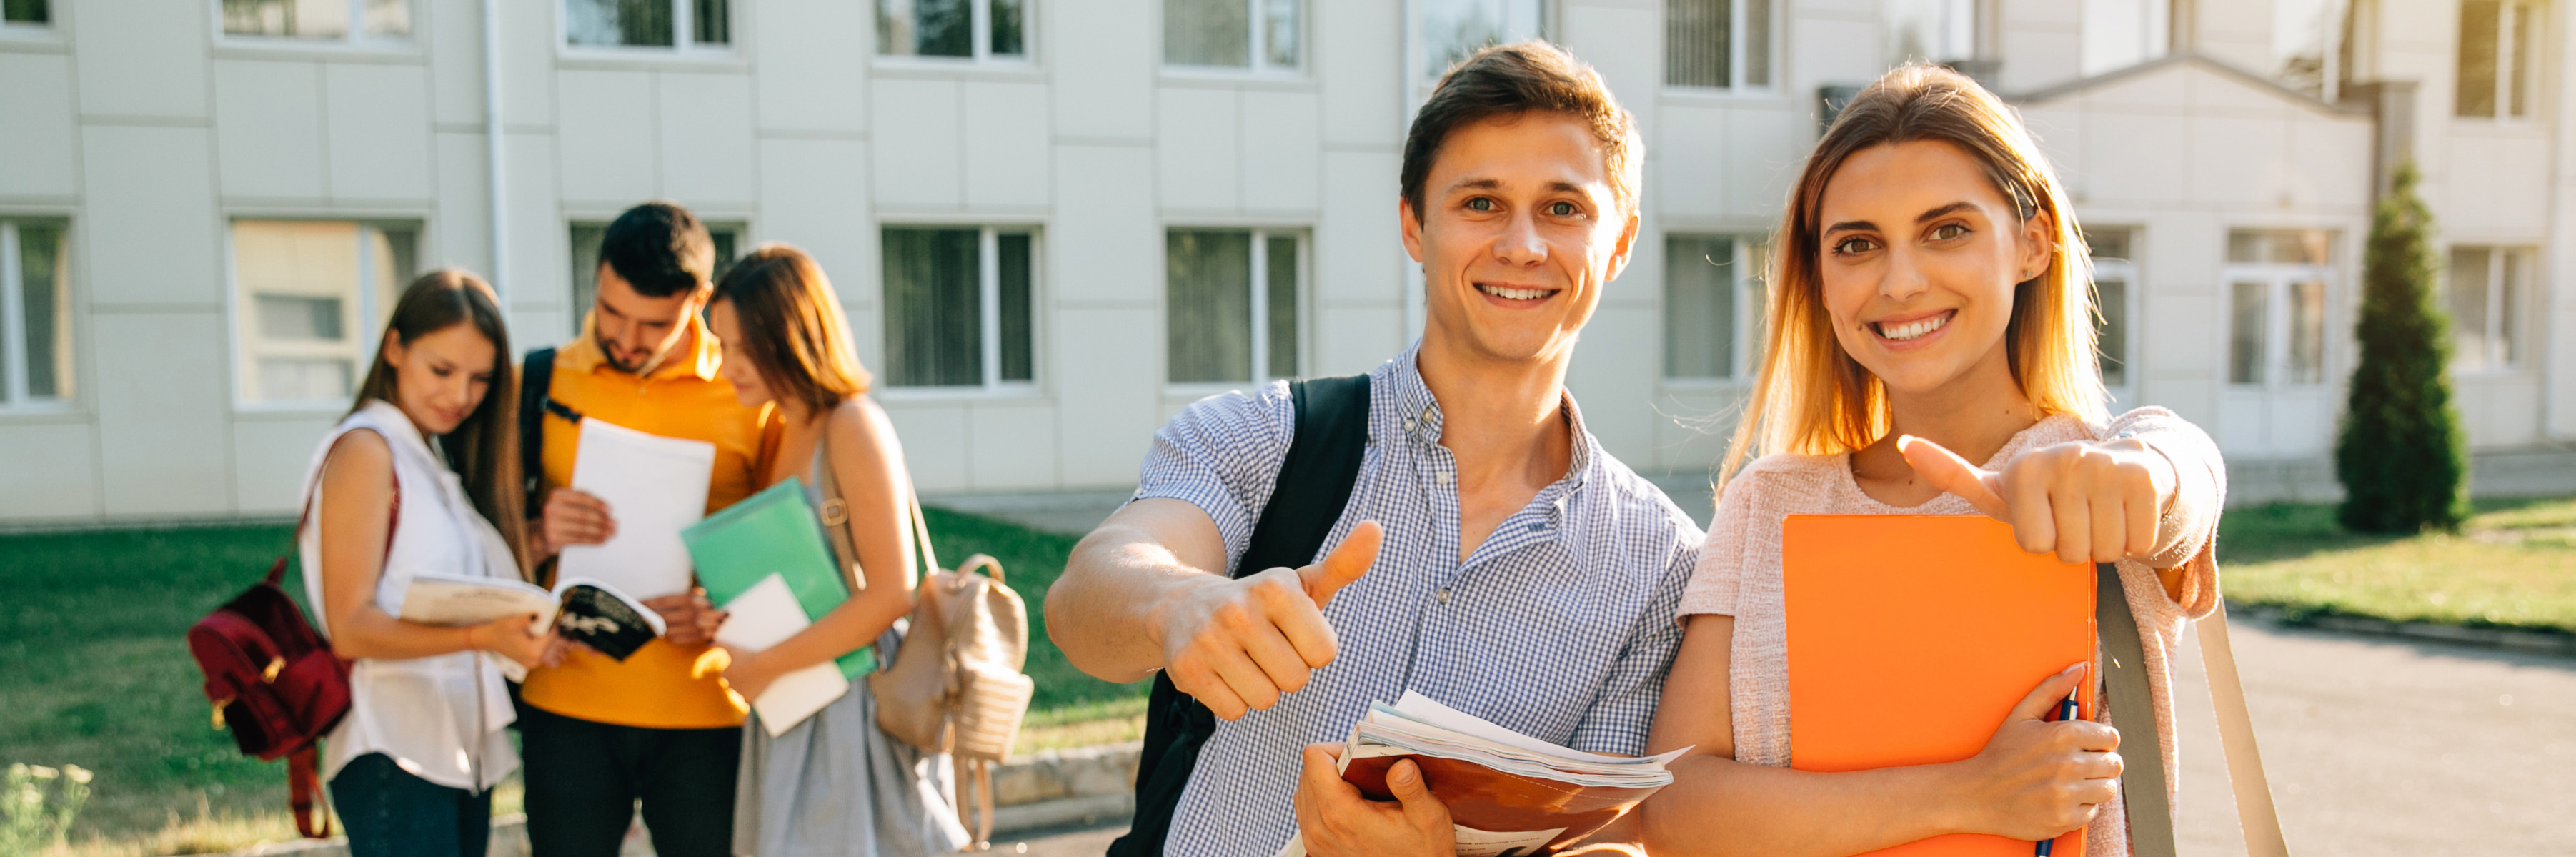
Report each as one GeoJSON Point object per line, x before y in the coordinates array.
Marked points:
{"type": "Point", "coordinates": [838, 785]}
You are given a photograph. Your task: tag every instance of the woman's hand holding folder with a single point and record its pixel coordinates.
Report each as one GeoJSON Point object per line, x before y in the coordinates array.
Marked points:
{"type": "Point", "coordinates": [2037, 778]}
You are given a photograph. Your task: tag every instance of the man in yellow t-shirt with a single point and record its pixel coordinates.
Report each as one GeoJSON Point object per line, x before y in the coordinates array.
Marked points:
{"type": "Point", "coordinates": [600, 734]}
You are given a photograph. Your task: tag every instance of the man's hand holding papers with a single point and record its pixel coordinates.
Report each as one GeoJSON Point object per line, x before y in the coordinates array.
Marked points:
{"type": "Point", "coordinates": [1461, 785]}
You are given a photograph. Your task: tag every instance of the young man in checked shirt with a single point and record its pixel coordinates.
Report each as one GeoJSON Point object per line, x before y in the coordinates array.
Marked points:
{"type": "Point", "coordinates": [1492, 555]}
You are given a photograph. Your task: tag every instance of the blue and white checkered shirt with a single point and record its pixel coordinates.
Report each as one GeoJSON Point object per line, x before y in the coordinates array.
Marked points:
{"type": "Point", "coordinates": [1560, 625]}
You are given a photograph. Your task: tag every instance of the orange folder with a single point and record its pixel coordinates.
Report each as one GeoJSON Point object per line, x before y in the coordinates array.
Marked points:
{"type": "Point", "coordinates": [1912, 636]}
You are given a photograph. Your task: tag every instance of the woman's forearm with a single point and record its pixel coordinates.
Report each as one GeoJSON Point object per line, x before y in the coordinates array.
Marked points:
{"type": "Point", "coordinates": [1718, 806]}
{"type": "Point", "coordinates": [368, 632]}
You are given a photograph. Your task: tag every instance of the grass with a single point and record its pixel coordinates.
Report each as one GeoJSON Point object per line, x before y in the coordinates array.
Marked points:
{"type": "Point", "coordinates": [2513, 565]}
{"type": "Point", "coordinates": [93, 672]}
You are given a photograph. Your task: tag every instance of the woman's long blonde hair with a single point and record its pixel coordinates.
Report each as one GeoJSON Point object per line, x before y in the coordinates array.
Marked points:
{"type": "Point", "coordinates": [1810, 397]}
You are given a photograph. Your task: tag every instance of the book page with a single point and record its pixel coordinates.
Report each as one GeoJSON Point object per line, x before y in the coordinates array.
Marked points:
{"type": "Point", "coordinates": [655, 487]}
{"type": "Point", "coordinates": [433, 599]}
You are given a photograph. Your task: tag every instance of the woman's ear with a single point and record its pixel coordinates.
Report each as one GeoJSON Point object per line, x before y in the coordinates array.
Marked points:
{"type": "Point", "coordinates": [2038, 246]}
{"type": "Point", "coordinates": [393, 350]}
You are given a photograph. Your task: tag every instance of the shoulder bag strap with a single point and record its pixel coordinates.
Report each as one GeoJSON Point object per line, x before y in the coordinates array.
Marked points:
{"type": "Point", "coordinates": [1330, 438]}
{"type": "Point", "coordinates": [2142, 780]}
{"type": "Point", "coordinates": [836, 517]}
{"type": "Point", "coordinates": [536, 388]}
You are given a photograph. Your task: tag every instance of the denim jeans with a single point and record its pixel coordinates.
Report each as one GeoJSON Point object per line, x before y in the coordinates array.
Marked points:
{"type": "Point", "coordinates": [391, 813]}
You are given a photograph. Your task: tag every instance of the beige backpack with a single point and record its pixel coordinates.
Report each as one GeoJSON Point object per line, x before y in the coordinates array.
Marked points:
{"type": "Point", "coordinates": [955, 684]}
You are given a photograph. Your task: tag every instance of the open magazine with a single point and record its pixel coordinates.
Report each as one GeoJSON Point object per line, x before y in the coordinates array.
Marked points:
{"type": "Point", "coordinates": [583, 610]}
{"type": "Point", "coordinates": [1509, 794]}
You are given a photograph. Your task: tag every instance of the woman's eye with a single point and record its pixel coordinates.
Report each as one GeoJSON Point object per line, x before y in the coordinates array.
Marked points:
{"type": "Point", "coordinates": [1481, 203]}
{"type": "Point", "coordinates": [441, 372]}
{"type": "Point", "coordinates": [1949, 232]}
{"type": "Point", "coordinates": [1850, 246]}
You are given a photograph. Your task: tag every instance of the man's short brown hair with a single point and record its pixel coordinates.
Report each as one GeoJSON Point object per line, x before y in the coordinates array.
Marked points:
{"type": "Point", "coordinates": [1513, 80]}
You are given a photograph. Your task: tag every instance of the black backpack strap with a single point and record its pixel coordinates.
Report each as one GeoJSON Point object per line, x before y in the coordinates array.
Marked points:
{"type": "Point", "coordinates": [1315, 481]}
{"type": "Point", "coordinates": [536, 384]}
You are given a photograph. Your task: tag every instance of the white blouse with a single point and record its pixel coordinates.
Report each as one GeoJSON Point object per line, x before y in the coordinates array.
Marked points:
{"type": "Point", "coordinates": [421, 712]}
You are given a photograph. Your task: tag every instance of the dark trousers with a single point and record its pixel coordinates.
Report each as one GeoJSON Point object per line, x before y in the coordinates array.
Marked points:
{"type": "Point", "coordinates": [584, 779]}
{"type": "Point", "coordinates": [390, 813]}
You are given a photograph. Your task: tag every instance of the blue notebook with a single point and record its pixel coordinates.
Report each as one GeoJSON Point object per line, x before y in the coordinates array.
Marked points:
{"type": "Point", "coordinates": [774, 532]}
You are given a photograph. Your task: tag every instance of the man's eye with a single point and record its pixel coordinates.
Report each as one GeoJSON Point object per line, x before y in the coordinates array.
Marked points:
{"type": "Point", "coordinates": [1481, 203]}
{"type": "Point", "coordinates": [1562, 209]}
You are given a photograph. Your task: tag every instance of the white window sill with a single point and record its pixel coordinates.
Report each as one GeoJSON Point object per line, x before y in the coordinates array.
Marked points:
{"type": "Point", "coordinates": [616, 58]}
{"type": "Point", "coordinates": [48, 411]}
{"type": "Point", "coordinates": [401, 50]}
{"type": "Point", "coordinates": [892, 395]}
{"type": "Point", "coordinates": [909, 67]}
{"type": "Point", "coordinates": [1715, 95]}
{"type": "Point", "coordinates": [1230, 77]}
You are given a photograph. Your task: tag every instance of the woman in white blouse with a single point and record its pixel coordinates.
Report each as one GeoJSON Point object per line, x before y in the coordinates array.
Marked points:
{"type": "Point", "coordinates": [422, 477]}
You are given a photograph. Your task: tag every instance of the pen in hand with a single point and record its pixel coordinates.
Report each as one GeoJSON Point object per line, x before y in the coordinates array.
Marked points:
{"type": "Point", "coordinates": [2065, 712]}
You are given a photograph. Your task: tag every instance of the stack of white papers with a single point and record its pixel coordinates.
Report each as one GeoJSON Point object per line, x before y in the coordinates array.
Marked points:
{"type": "Point", "coordinates": [764, 616]}
{"type": "Point", "coordinates": [1418, 725]}
{"type": "Point", "coordinates": [655, 487]}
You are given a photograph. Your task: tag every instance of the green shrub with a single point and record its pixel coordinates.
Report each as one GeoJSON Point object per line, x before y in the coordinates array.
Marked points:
{"type": "Point", "coordinates": [2402, 456]}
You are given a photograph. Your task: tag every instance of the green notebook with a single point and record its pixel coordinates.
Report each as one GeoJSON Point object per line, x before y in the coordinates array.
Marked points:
{"type": "Point", "coordinates": [773, 532]}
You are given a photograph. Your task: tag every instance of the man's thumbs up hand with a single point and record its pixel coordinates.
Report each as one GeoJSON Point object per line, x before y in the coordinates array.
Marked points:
{"type": "Point", "coordinates": [1237, 645]}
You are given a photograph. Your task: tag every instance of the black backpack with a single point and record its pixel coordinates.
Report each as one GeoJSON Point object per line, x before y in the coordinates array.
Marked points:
{"type": "Point", "coordinates": [1331, 433]}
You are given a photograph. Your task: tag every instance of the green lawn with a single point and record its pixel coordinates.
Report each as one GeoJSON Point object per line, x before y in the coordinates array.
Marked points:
{"type": "Point", "coordinates": [93, 672]}
{"type": "Point", "coordinates": [2513, 565]}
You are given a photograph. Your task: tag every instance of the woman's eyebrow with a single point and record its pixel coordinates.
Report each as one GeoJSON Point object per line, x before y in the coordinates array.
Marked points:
{"type": "Point", "coordinates": [1943, 210]}
{"type": "Point", "coordinates": [1851, 226]}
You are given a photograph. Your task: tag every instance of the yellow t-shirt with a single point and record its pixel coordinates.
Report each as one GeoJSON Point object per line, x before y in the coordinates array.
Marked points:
{"type": "Point", "coordinates": [683, 398]}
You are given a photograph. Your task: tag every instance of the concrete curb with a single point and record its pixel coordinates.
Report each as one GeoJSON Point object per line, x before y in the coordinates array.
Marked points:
{"type": "Point", "coordinates": [1048, 788]}
{"type": "Point", "coordinates": [2535, 642]}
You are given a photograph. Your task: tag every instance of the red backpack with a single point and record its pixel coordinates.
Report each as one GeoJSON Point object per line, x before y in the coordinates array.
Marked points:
{"type": "Point", "coordinates": [275, 681]}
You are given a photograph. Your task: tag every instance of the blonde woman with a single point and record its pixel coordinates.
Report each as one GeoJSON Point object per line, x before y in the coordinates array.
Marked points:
{"type": "Point", "coordinates": [1930, 294]}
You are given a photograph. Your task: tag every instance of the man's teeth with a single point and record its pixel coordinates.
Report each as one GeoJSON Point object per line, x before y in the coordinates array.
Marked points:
{"type": "Point", "coordinates": [1508, 293]}
{"type": "Point", "coordinates": [1913, 329]}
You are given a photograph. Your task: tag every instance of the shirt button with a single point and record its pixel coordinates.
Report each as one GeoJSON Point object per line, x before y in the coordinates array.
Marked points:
{"type": "Point", "coordinates": [1441, 477]}
{"type": "Point", "coordinates": [1408, 425]}
{"type": "Point", "coordinates": [1442, 597]}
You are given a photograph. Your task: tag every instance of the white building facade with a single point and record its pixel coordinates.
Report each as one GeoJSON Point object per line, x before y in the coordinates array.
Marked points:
{"type": "Point", "coordinates": [1054, 223]}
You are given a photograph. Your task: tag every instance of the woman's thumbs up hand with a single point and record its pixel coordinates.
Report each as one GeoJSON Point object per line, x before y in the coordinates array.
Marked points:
{"type": "Point", "coordinates": [2094, 501]}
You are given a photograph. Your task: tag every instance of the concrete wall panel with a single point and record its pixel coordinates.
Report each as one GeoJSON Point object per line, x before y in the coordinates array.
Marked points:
{"type": "Point", "coordinates": [379, 131]}
{"type": "Point", "coordinates": [162, 412]}
{"type": "Point", "coordinates": [1281, 151]}
{"type": "Point", "coordinates": [917, 144]}
{"type": "Point", "coordinates": [269, 458]}
{"type": "Point", "coordinates": [461, 229]}
{"type": "Point", "coordinates": [814, 58]}
{"type": "Point", "coordinates": [454, 30]}
{"type": "Point", "coordinates": [1006, 134]}
{"type": "Point", "coordinates": [806, 198]}
{"type": "Point", "coordinates": [1198, 151]}
{"type": "Point", "coordinates": [1359, 245]}
{"type": "Point", "coordinates": [1103, 61]}
{"type": "Point", "coordinates": [1357, 47]}
{"type": "Point", "coordinates": [539, 243]}
{"type": "Point", "coordinates": [1687, 176]}
{"type": "Point", "coordinates": [707, 158]}
{"type": "Point", "coordinates": [1107, 243]}
{"type": "Point", "coordinates": [1102, 440]}
{"type": "Point", "coordinates": [936, 447]}
{"type": "Point", "coordinates": [609, 137]}
{"type": "Point", "coordinates": [268, 129]}
{"type": "Point", "coordinates": [150, 217]}
{"type": "Point", "coordinates": [38, 132]}
{"type": "Point", "coordinates": [1014, 446]}
{"type": "Point", "coordinates": [53, 471]}
{"type": "Point", "coordinates": [143, 57]}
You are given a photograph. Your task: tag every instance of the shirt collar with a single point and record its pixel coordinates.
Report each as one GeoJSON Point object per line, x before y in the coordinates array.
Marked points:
{"type": "Point", "coordinates": [582, 354]}
{"type": "Point", "coordinates": [1418, 415]}
{"type": "Point", "coordinates": [398, 427]}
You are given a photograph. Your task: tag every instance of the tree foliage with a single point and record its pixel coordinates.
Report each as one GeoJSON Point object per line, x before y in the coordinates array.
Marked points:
{"type": "Point", "coordinates": [2401, 454]}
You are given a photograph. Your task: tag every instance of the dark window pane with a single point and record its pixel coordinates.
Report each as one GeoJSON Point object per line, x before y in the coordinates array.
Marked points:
{"type": "Point", "coordinates": [2112, 337]}
{"type": "Point", "coordinates": [290, 317]}
{"type": "Point", "coordinates": [1282, 283]}
{"type": "Point", "coordinates": [1757, 42]}
{"type": "Point", "coordinates": [2508, 306]}
{"type": "Point", "coordinates": [48, 312]}
{"type": "Point", "coordinates": [2307, 332]}
{"type": "Point", "coordinates": [322, 20]}
{"type": "Point", "coordinates": [1279, 33]}
{"type": "Point", "coordinates": [1699, 307]}
{"type": "Point", "coordinates": [1018, 343]}
{"type": "Point", "coordinates": [1209, 306]}
{"type": "Point", "coordinates": [25, 12]}
{"type": "Point", "coordinates": [2476, 95]}
{"type": "Point", "coordinates": [388, 18]}
{"type": "Point", "coordinates": [586, 238]}
{"type": "Point", "coordinates": [1696, 41]}
{"type": "Point", "coordinates": [2246, 333]}
{"type": "Point", "coordinates": [2108, 243]}
{"type": "Point", "coordinates": [1207, 32]}
{"type": "Point", "coordinates": [727, 242]}
{"type": "Point", "coordinates": [1010, 27]}
{"type": "Point", "coordinates": [711, 22]}
{"type": "Point", "coordinates": [611, 23]}
{"type": "Point", "coordinates": [936, 28]}
{"type": "Point", "coordinates": [2466, 293]}
{"type": "Point", "coordinates": [934, 324]}
{"type": "Point", "coordinates": [2284, 246]}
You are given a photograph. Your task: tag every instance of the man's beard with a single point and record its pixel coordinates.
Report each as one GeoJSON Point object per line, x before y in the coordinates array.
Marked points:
{"type": "Point", "coordinates": [609, 351]}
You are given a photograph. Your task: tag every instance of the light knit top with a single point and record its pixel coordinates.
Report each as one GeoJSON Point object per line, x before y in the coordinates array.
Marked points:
{"type": "Point", "coordinates": [1739, 574]}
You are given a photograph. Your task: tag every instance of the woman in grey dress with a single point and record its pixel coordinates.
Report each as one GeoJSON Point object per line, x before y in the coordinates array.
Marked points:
{"type": "Point", "coordinates": [834, 784]}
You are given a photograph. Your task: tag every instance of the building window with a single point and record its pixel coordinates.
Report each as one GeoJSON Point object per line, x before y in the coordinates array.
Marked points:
{"type": "Point", "coordinates": [2276, 298]}
{"type": "Point", "coordinates": [2122, 33]}
{"type": "Point", "coordinates": [676, 24]}
{"type": "Point", "coordinates": [310, 297]}
{"type": "Point", "coordinates": [327, 20]}
{"type": "Point", "coordinates": [1452, 29]}
{"type": "Point", "coordinates": [35, 314]}
{"type": "Point", "coordinates": [2498, 39]}
{"type": "Point", "coordinates": [2484, 293]}
{"type": "Point", "coordinates": [2114, 270]}
{"type": "Point", "coordinates": [37, 12]}
{"type": "Point", "coordinates": [967, 29]}
{"type": "Point", "coordinates": [1941, 31]}
{"type": "Point", "coordinates": [1717, 44]}
{"type": "Point", "coordinates": [958, 303]}
{"type": "Point", "coordinates": [1231, 313]}
{"type": "Point", "coordinates": [1713, 306]}
{"type": "Point", "coordinates": [585, 262]}
{"type": "Point", "coordinates": [1260, 35]}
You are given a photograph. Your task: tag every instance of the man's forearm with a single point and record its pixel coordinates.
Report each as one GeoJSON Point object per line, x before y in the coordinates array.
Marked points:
{"type": "Point", "coordinates": [1102, 611]}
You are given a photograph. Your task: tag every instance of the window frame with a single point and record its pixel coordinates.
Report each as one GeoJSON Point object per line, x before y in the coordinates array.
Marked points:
{"type": "Point", "coordinates": [2503, 315]}
{"type": "Point", "coordinates": [988, 312]}
{"type": "Point", "coordinates": [38, 29]}
{"type": "Point", "coordinates": [1752, 310]}
{"type": "Point", "coordinates": [1259, 65]}
{"type": "Point", "coordinates": [1736, 65]}
{"type": "Point", "coordinates": [370, 327]}
{"type": "Point", "coordinates": [14, 395]}
{"type": "Point", "coordinates": [2279, 312]}
{"type": "Point", "coordinates": [2124, 270]}
{"type": "Point", "coordinates": [1418, 49]}
{"type": "Point", "coordinates": [1259, 295]}
{"type": "Point", "coordinates": [356, 39]}
{"type": "Point", "coordinates": [684, 43]}
{"type": "Point", "coordinates": [980, 41]}
{"type": "Point", "coordinates": [2511, 45]}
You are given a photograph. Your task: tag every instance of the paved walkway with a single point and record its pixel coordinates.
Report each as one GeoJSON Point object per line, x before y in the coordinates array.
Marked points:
{"type": "Point", "coordinates": [2377, 748]}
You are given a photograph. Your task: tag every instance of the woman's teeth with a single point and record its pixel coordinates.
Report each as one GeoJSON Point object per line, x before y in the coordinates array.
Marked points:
{"type": "Point", "coordinates": [1915, 329]}
{"type": "Point", "coordinates": [1508, 293]}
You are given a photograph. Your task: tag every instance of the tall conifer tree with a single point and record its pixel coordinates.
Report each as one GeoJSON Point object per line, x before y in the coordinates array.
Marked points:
{"type": "Point", "coordinates": [2402, 456]}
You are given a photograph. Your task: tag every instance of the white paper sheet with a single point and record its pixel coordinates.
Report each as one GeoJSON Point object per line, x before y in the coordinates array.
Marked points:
{"type": "Point", "coordinates": [655, 487]}
{"type": "Point", "coordinates": [764, 616]}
